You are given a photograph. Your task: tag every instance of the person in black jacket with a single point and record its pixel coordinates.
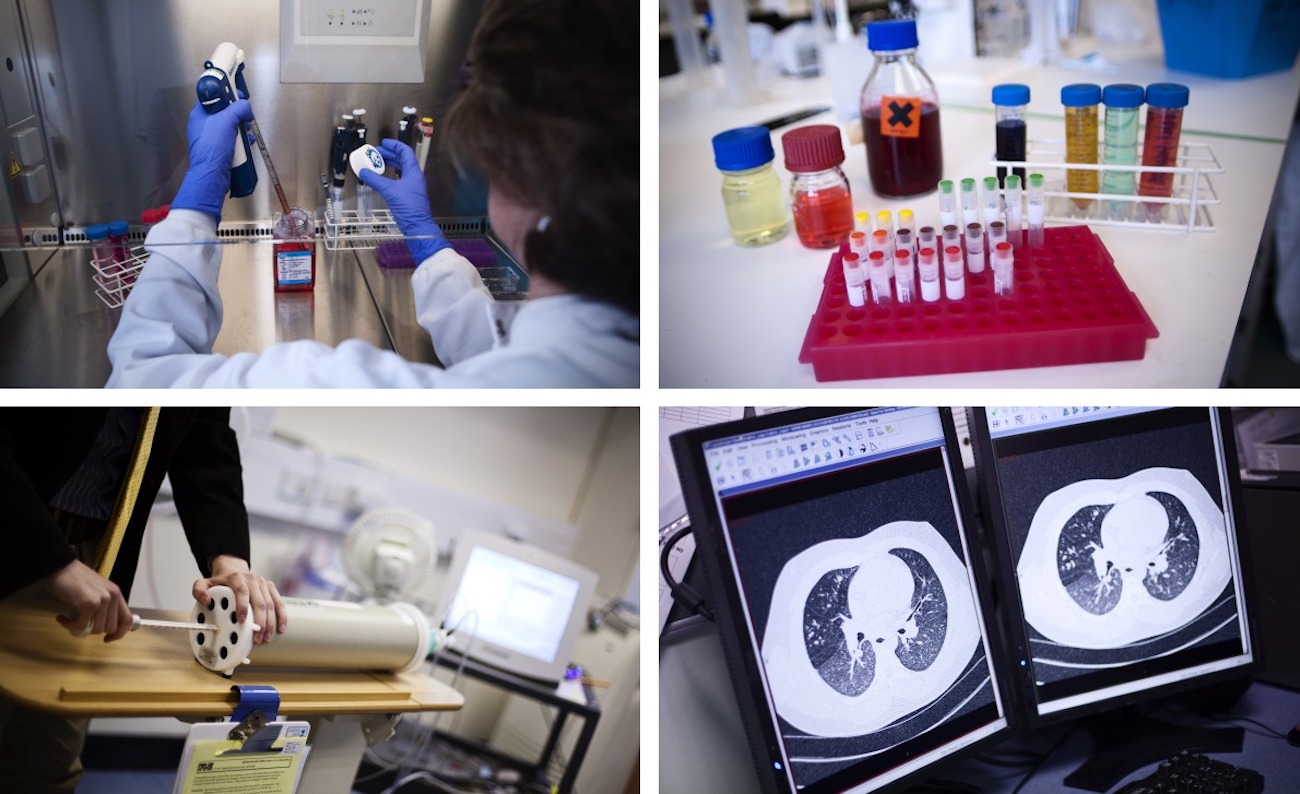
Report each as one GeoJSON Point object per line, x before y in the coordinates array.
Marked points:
{"type": "Point", "coordinates": [62, 471]}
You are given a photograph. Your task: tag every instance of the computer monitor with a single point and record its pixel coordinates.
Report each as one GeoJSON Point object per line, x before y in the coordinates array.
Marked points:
{"type": "Point", "coordinates": [514, 606]}
{"type": "Point", "coordinates": [836, 547]}
{"type": "Point", "coordinates": [1119, 552]}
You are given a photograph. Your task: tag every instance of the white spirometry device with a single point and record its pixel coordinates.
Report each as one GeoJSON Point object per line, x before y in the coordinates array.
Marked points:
{"type": "Point", "coordinates": [334, 635]}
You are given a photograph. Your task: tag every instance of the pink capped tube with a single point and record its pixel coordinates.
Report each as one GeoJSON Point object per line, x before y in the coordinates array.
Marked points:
{"type": "Point", "coordinates": [855, 281]}
{"type": "Point", "coordinates": [880, 273]}
{"type": "Point", "coordinates": [1004, 265]}
{"type": "Point", "coordinates": [954, 273]}
{"type": "Point", "coordinates": [975, 247]}
{"type": "Point", "coordinates": [904, 275]}
{"type": "Point", "coordinates": [928, 268]}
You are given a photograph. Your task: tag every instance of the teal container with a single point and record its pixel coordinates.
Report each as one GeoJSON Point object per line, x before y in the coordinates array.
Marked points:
{"type": "Point", "coordinates": [1230, 38]}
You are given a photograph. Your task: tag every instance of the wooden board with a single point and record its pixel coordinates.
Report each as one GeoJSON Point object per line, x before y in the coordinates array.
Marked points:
{"type": "Point", "coordinates": [151, 672]}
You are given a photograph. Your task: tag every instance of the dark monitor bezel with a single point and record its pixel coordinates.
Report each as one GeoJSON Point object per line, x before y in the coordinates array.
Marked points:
{"type": "Point", "coordinates": [1012, 626]}
{"type": "Point", "coordinates": [725, 599]}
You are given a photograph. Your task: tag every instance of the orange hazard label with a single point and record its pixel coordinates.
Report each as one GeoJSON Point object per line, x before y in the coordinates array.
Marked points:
{"type": "Point", "coordinates": [900, 116]}
{"type": "Point", "coordinates": [14, 168]}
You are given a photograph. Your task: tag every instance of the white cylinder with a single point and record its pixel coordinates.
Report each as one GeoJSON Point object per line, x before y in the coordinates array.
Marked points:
{"type": "Point", "coordinates": [337, 635]}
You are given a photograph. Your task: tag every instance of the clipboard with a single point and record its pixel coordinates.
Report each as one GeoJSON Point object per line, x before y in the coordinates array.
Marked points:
{"type": "Point", "coordinates": [268, 759]}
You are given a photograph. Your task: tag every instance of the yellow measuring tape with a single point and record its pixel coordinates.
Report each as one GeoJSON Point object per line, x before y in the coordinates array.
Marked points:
{"type": "Point", "coordinates": [111, 543]}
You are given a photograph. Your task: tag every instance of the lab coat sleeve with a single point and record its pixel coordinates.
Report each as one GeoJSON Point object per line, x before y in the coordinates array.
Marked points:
{"type": "Point", "coordinates": [175, 308]}
{"type": "Point", "coordinates": [454, 306]}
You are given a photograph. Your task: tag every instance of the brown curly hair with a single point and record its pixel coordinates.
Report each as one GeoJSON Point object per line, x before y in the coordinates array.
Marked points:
{"type": "Point", "coordinates": [551, 117]}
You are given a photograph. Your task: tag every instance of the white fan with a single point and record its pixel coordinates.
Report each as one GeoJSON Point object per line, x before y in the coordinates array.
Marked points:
{"type": "Point", "coordinates": [388, 553]}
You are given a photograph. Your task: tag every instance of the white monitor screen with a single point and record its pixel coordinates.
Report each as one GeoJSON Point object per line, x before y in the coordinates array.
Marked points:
{"type": "Point", "coordinates": [518, 605]}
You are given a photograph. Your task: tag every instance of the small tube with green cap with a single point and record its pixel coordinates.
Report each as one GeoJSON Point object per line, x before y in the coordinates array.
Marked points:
{"type": "Point", "coordinates": [1035, 210]}
{"type": "Point", "coordinates": [969, 210]}
{"type": "Point", "coordinates": [990, 200]}
{"type": "Point", "coordinates": [947, 204]}
{"type": "Point", "coordinates": [1015, 221]}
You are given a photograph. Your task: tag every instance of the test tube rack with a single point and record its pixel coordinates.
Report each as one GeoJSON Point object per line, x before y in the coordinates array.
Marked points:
{"type": "Point", "coordinates": [114, 280]}
{"type": "Point", "coordinates": [1069, 306]}
{"type": "Point", "coordinates": [351, 233]}
{"type": "Point", "coordinates": [1187, 209]}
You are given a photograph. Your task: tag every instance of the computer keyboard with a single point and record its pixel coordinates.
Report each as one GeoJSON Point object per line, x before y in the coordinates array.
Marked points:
{"type": "Point", "coordinates": [1189, 773]}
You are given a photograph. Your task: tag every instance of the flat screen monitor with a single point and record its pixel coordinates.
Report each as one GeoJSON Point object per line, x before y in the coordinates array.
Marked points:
{"type": "Point", "coordinates": [1117, 541]}
{"type": "Point", "coordinates": [514, 606]}
{"type": "Point", "coordinates": [839, 564]}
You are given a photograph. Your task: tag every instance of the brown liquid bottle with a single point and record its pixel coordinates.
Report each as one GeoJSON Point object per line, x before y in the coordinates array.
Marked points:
{"type": "Point", "coordinates": [900, 115]}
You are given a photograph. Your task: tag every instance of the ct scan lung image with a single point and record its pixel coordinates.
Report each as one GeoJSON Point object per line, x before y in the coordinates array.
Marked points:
{"type": "Point", "coordinates": [851, 648]}
{"type": "Point", "coordinates": [1112, 562]}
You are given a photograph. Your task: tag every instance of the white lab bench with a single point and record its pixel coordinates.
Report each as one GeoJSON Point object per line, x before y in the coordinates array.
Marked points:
{"type": "Point", "coordinates": [733, 317]}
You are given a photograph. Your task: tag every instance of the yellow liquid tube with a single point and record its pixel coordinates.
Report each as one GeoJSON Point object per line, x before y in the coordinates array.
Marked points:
{"type": "Point", "coordinates": [1081, 147]}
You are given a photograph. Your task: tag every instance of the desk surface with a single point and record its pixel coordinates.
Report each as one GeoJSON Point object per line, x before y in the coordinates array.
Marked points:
{"type": "Point", "coordinates": [151, 672]}
{"type": "Point", "coordinates": [734, 317]}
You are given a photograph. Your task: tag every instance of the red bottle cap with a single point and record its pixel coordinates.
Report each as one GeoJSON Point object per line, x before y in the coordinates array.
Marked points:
{"type": "Point", "coordinates": [812, 148]}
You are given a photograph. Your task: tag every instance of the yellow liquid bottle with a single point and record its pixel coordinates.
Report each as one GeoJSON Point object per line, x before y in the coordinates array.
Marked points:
{"type": "Point", "coordinates": [1081, 100]}
{"type": "Point", "coordinates": [751, 190]}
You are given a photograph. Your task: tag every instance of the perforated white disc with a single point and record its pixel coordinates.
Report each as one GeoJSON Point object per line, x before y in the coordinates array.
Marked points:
{"type": "Point", "coordinates": [228, 648]}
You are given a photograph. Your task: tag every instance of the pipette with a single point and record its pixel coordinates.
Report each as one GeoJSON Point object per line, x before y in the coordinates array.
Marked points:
{"type": "Point", "coordinates": [270, 168]}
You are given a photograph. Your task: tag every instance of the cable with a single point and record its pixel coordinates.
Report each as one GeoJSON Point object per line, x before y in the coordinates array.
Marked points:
{"type": "Point", "coordinates": [427, 777]}
{"type": "Point", "coordinates": [1046, 755]}
{"type": "Point", "coordinates": [691, 601]}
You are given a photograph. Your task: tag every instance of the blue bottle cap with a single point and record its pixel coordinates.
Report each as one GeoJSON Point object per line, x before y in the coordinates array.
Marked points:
{"type": "Point", "coordinates": [1167, 95]}
{"type": "Point", "coordinates": [742, 148]}
{"type": "Point", "coordinates": [117, 227]}
{"type": "Point", "coordinates": [1080, 95]}
{"type": "Point", "coordinates": [1123, 95]}
{"type": "Point", "coordinates": [892, 34]}
{"type": "Point", "coordinates": [1011, 94]}
{"type": "Point", "coordinates": [97, 232]}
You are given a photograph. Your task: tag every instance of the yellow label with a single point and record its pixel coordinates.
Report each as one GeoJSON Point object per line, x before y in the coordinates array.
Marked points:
{"type": "Point", "coordinates": [14, 168]}
{"type": "Point", "coordinates": [900, 116]}
{"type": "Point", "coordinates": [214, 770]}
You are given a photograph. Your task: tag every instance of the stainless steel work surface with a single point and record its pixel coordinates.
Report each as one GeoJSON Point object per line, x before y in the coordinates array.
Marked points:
{"type": "Point", "coordinates": [256, 316]}
{"type": "Point", "coordinates": [57, 331]}
{"type": "Point", "coordinates": [395, 301]}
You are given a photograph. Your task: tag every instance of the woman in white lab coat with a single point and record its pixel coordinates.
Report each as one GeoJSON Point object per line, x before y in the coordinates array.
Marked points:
{"type": "Point", "coordinates": [550, 118]}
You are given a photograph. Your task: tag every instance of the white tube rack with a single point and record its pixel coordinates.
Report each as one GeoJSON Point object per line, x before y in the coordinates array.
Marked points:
{"type": "Point", "coordinates": [351, 233]}
{"type": "Point", "coordinates": [114, 280]}
{"type": "Point", "coordinates": [1187, 209]}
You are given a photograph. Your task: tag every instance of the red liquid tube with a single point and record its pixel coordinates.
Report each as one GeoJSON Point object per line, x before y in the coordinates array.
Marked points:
{"type": "Point", "coordinates": [900, 114]}
{"type": "Point", "coordinates": [1003, 269]}
{"type": "Point", "coordinates": [119, 234]}
{"type": "Point", "coordinates": [1165, 103]}
{"type": "Point", "coordinates": [855, 280]}
{"type": "Point", "coordinates": [928, 268]}
{"type": "Point", "coordinates": [954, 273]}
{"type": "Point", "coordinates": [294, 252]}
{"type": "Point", "coordinates": [880, 274]}
{"type": "Point", "coordinates": [904, 275]}
{"type": "Point", "coordinates": [820, 199]}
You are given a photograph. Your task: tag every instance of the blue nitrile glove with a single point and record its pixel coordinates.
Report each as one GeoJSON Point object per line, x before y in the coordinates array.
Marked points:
{"type": "Point", "coordinates": [212, 141]}
{"type": "Point", "coordinates": [408, 199]}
